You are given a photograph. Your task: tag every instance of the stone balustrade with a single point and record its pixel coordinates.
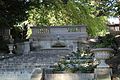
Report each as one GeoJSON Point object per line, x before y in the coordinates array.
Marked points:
{"type": "Point", "coordinates": [114, 27]}
{"type": "Point", "coordinates": [51, 29]}
{"type": "Point", "coordinates": [65, 32]}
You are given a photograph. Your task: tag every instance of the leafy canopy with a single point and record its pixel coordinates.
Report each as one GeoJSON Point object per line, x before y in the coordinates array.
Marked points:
{"type": "Point", "coordinates": [59, 12]}
{"type": "Point", "coordinates": [12, 12]}
{"type": "Point", "coordinates": [92, 13]}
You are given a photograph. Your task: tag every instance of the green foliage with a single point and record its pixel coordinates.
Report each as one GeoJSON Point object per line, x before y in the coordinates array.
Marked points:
{"type": "Point", "coordinates": [3, 45]}
{"type": "Point", "coordinates": [107, 41]}
{"type": "Point", "coordinates": [70, 67]}
{"type": "Point", "coordinates": [107, 7]}
{"type": "Point", "coordinates": [20, 32]}
{"type": "Point", "coordinates": [87, 69]}
{"type": "Point", "coordinates": [59, 12]}
{"type": "Point", "coordinates": [54, 12]}
{"type": "Point", "coordinates": [12, 12]}
{"type": "Point", "coordinates": [77, 64]}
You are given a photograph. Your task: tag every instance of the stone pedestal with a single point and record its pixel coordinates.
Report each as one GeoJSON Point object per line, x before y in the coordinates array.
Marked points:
{"type": "Point", "coordinates": [19, 48]}
{"type": "Point", "coordinates": [102, 73]}
{"type": "Point", "coordinates": [26, 47]}
{"type": "Point", "coordinates": [23, 48]}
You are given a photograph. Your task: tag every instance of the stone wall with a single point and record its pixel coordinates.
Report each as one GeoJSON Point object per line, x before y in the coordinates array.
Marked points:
{"type": "Point", "coordinates": [45, 37]}
{"type": "Point", "coordinates": [17, 75]}
{"type": "Point", "coordinates": [26, 76]}
{"type": "Point", "coordinates": [67, 76]}
{"type": "Point", "coordinates": [70, 76]}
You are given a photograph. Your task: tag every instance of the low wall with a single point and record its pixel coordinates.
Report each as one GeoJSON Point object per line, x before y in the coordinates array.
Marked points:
{"type": "Point", "coordinates": [68, 76]}
{"type": "Point", "coordinates": [14, 76]}
{"type": "Point", "coordinates": [61, 76]}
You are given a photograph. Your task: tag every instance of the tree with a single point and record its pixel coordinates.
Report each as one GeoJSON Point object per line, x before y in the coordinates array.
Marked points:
{"type": "Point", "coordinates": [60, 12]}
{"type": "Point", "coordinates": [108, 7]}
{"type": "Point", "coordinates": [12, 12]}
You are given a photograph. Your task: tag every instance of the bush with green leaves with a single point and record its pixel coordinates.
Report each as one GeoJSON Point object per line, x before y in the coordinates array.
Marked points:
{"type": "Point", "coordinates": [107, 41]}
{"type": "Point", "coordinates": [3, 45]}
{"type": "Point", "coordinates": [77, 64]}
{"type": "Point", "coordinates": [19, 33]}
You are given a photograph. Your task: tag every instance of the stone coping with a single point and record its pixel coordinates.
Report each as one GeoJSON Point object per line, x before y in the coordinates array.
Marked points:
{"type": "Point", "coordinates": [101, 49]}
{"type": "Point", "coordinates": [65, 26]}
{"type": "Point", "coordinates": [55, 49]}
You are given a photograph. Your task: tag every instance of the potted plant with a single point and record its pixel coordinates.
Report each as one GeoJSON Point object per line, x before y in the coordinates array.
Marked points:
{"type": "Point", "coordinates": [20, 36]}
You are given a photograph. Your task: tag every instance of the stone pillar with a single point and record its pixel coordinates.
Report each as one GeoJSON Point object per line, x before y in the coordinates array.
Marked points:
{"type": "Point", "coordinates": [26, 47]}
{"type": "Point", "coordinates": [19, 48]}
{"type": "Point", "coordinates": [103, 73]}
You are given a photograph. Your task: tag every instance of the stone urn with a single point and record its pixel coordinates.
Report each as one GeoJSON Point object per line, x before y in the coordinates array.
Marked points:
{"type": "Point", "coordinates": [102, 54]}
{"type": "Point", "coordinates": [10, 46]}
